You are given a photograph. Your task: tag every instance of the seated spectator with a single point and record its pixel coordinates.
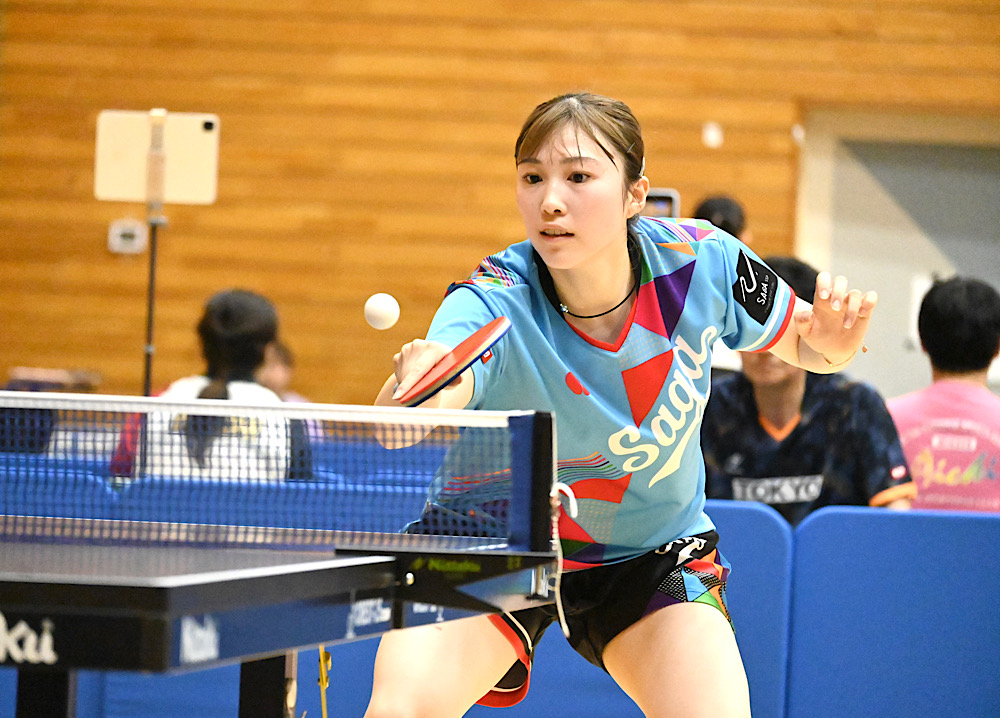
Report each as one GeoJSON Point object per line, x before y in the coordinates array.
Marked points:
{"type": "Point", "coordinates": [796, 440]}
{"type": "Point", "coordinates": [277, 370]}
{"type": "Point", "coordinates": [727, 214]}
{"type": "Point", "coordinates": [951, 429]}
{"type": "Point", "coordinates": [234, 330]}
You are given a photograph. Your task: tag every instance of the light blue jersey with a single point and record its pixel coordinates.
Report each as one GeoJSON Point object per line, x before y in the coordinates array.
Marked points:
{"type": "Point", "coordinates": [628, 414]}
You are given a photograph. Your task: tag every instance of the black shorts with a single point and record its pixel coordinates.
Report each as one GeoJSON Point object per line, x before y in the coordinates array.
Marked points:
{"type": "Point", "coordinates": [601, 602]}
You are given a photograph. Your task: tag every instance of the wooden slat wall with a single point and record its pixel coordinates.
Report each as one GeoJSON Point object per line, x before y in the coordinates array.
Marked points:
{"type": "Point", "coordinates": [367, 145]}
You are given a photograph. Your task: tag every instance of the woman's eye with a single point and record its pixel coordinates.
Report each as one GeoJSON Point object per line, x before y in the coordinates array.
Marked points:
{"type": "Point", "coordinates": [578, 177]}
{"type": "Point", "coordinates": [532, 178]}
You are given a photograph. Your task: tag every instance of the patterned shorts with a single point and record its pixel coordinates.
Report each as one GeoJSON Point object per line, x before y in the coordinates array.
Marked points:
{"type": "Point", "coordinates": [602, 602]}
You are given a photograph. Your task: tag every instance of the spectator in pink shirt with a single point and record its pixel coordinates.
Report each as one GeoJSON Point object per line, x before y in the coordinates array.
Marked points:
{"type": "Point", "coordinates": [950, 430]}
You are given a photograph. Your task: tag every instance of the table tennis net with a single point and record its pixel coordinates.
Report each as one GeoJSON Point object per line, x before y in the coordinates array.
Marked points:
{"type": "Point", "coordinates": [90, 467]}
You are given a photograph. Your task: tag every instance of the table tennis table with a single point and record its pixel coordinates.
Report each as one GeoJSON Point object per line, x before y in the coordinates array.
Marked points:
{"type": "Point", "coordinates": [65, 607]}
{"type": "Point", "coordinates": [86, 587]}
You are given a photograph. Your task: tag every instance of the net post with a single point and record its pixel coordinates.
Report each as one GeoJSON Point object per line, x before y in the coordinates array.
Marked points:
{"type": "Point", "coordinates": [532, 469]}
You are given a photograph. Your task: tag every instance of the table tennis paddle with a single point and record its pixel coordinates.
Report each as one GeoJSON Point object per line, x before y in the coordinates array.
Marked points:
{"type": "Point", "coordinates": [456, 361]}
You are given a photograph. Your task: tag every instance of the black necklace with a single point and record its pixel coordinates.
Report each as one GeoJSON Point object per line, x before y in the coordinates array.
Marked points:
{"type": "Point", "coordinates": [565, 310]}
{"type": "Point", "coordinates": [549, 289]}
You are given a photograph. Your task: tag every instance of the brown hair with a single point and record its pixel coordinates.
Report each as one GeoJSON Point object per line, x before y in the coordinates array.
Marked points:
{"type": "Point", "coordinates": [602, 119]}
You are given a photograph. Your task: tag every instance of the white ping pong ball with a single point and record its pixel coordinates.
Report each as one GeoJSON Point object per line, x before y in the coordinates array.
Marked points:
{"type": "Point", "coordinates": [712, 135]}
{"type": "Point", "coordinates": [381, 310]}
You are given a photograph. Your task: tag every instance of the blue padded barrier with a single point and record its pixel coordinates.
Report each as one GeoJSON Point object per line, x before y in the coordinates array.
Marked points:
{"type": "Point", "coordinates": [35, 492]}
{"type": "Point", "coordinates": [17, 463]}
{"type": "Point", "coordinates": [211, 693]}
{"type": "Point", "coordinates": [8, 692]}
{"type": "Point", "coordinates": [895, 614]}
{"type": "Point", "coordinates": [91, 694]}
{"type": "Point", "coordinates": [350, 679]}
{"type": "Point", "coordinates": [356, 459]}
{"type": "Point", "coordinates": [214, 693]}
{"type": "Point", "coordinates": [757, 541]}
{"type": "Point", "coordinates": [333, 504]}
{"type": "Point", "coordinates": [583, 692]}
{"type": "Point", "coordinates": [562, 684]}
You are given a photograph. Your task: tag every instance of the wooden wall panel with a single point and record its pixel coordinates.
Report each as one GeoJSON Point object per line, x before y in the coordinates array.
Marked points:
{"type": "Point", "coordinates": [366, 145]}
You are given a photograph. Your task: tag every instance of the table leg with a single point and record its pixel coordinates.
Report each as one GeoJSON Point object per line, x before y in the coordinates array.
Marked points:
{"type": "Point", "coordinates": [268, 687]}
{"type": "Point", "coordinates": [46, 694]}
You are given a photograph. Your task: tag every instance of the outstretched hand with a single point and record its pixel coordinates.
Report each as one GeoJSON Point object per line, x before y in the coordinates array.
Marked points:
{"type": "Point", "coordinates": [835, 326]}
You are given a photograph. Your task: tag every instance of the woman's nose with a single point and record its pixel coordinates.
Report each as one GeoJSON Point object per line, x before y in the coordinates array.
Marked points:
{"type": "Point", "coordinates": [552, 201]}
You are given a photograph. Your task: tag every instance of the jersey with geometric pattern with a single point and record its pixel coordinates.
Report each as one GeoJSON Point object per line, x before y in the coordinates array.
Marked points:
{"type": "Point", "coordinates": [628, 414]}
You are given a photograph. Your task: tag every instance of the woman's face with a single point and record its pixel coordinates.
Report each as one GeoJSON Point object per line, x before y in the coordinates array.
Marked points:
{"type": "Point", "coordinates": [573, 202]}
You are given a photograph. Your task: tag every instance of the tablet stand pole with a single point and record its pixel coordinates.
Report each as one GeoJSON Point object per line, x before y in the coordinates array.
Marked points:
{"type": "Point", "coordinates": [155, 166]}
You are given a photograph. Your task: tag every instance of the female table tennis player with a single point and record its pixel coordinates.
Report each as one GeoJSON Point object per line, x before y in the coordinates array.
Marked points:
{"type": "Point", "coordinates": [613, 319]}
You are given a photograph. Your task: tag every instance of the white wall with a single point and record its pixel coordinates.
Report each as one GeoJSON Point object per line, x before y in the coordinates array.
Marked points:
{"type": "Point", "coordinates": [856, 216]}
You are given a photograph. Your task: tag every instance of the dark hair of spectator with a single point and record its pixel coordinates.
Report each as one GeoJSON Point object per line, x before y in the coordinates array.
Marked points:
{"type": "Point", "coordinates": [959, 324]}
{"type": "Point", "coordinates": [235, 328]}
{"type": "Point", "coordinates": [724, 212]}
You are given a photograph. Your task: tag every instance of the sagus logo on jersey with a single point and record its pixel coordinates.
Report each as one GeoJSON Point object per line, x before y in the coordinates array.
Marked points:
{"type": "Point", "coordinates": [754, 287]}
{"type": "Point", "coordinates": [674, 422]}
